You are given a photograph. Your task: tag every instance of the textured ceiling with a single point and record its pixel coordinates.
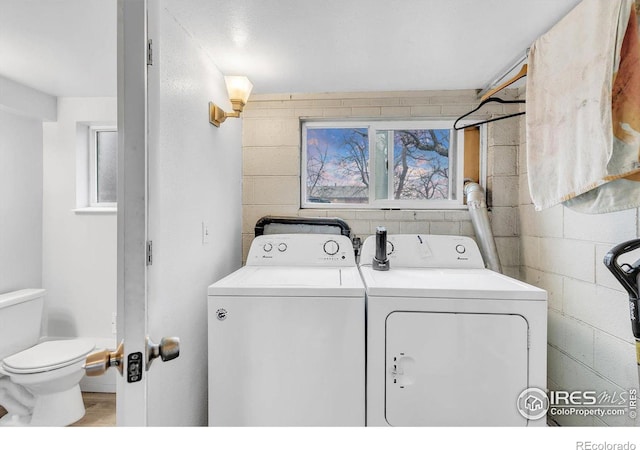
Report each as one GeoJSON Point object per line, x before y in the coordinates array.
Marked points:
{"type": "Point", "coordinates": [68, 47]}
{"type": "Point", "coordinates": [370, 45]}
{"type": "Point", "coordinates": [61, 47]}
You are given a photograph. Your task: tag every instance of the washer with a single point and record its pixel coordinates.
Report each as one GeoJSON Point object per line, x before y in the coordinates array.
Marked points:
{"type": "Point", "coordinates": [449, 343]}
{"type": "Point", "coordinates": [287, 336]}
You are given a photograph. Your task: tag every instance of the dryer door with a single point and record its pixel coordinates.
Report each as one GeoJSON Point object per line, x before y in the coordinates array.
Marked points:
{"type": "Point", "coordinates": [455, 369]}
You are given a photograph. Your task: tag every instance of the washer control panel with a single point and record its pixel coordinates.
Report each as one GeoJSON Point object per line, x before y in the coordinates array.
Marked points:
{"type": "Point", "coordinates": [426, 250]}
{"type": "Point", "coordinates": [302, 250]}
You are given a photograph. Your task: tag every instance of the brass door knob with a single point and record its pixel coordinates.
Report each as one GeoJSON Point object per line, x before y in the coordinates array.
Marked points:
{"type": "Point", "coordinates": [97, 363]}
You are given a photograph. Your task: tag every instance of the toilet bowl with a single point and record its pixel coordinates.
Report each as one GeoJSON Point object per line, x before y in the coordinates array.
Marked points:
{"type": "Point", "coordinates": [39, 382]}
{"type": "Point", "coordinates": [51, 372]}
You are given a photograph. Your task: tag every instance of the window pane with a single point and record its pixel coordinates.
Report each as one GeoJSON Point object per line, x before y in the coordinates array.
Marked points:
{"type": "Point", "coordinates": [337, 165]}
{"type": "Point", "coordinates": [382, 164]}
{"type": "Point", "coordinates": [421, 164]}
{"type": "Point", "coordinates": [107, 166]}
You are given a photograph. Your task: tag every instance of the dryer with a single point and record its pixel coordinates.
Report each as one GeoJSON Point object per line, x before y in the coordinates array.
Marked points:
{"type": "Point", "coordinates": [287, 336]}
{"type": "Point", "coordinates": [449, 342]}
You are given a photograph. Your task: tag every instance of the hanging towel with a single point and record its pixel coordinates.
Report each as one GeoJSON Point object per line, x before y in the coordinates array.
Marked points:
{"type": "Point", "coordinates": [583, 110]}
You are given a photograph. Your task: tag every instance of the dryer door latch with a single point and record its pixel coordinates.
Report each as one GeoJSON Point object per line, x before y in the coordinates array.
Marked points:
{"type": "Point", "coordinates": [401, 370]}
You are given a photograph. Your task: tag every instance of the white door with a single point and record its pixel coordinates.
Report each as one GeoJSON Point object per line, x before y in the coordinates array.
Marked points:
{"type": "Point", "coordinates": [457, 369]}
{"type": "Point", "coordinates": [178, 177]}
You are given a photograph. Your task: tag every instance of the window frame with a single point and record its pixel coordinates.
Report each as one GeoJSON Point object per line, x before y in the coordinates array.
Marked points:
{"type": "Point", "coordinates": [93, 166]}
{"type": "Point", "coordinates": [456, 164]}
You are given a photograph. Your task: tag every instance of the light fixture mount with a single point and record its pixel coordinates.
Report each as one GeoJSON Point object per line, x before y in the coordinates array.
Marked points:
{"type": "Point", "coordinates": [239, 89]}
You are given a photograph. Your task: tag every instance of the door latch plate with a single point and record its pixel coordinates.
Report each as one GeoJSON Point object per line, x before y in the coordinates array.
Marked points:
{"type": "Point", "coordinates": [134, 367]}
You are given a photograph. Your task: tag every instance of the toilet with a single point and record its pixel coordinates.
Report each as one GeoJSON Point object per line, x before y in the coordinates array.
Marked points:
{"type": "Point", "coordinates": [39, 381]}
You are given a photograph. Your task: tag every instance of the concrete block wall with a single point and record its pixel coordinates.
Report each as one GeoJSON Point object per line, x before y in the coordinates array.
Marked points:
{"type": "Point", "coordinates": [502, 192]}
{"type": "Point", "coordinates": [590, 345]}
{"type": "Point", "coordinates": [271, 162]}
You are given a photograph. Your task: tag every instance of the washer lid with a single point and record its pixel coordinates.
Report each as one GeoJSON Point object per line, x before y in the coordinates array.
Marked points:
{"type": "Point", "coordinates": [447, 283]}
{"type": "Point", "coordinates": [48, 355]}
{"type": "Point", "coordinates": [264, 281]}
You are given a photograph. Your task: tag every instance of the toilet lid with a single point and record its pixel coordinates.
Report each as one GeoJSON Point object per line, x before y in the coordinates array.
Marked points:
{"type": "Point", "coordinates": [49, 355]}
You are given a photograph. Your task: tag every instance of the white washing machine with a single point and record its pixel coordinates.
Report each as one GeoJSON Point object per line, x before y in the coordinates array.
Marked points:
{"type": "Point", "coordinates": [448, 341]}
{"type": "Point", "coordinates": [287, 336]}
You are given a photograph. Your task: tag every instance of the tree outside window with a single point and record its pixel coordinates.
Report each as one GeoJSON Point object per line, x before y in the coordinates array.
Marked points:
{"type": "Point", "coordinates": [407, 164]}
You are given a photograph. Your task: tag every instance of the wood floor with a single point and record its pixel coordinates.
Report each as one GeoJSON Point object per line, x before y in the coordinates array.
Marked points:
{"type": "Point", "coordinates": [100, 410]}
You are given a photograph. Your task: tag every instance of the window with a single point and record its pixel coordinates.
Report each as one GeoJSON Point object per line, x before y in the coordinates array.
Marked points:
{"type": "Point", "coordinates": [103, 166]}
{"type": "Point", "coordinates": [392, 164]}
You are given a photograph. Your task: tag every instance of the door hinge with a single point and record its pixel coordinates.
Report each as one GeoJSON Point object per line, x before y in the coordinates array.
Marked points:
{"type": "Point", "coordinates": [149, 253]}
{"type": "Point", "coordinates": [150, 52]}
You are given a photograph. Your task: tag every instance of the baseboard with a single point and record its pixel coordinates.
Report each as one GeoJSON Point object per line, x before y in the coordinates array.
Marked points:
{"type": "Point", "coordinates": [103, 383]}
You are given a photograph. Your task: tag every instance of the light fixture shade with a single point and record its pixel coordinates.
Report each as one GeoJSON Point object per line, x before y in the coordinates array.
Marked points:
{"type": "Point", "coordinates": [238, 87]}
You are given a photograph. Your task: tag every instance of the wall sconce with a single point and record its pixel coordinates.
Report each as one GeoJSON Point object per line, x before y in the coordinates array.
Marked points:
{"type": "Point", "coordinates": [239, 89]}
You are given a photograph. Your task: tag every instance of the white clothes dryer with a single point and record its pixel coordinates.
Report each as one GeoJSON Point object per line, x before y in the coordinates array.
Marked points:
{"type": "Point", "coordinates": [287, 336]}
{"type": "Point", "coordinates": [449, 343]}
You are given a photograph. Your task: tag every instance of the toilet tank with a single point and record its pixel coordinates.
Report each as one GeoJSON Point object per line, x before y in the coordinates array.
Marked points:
{"type": "Point", "coordinates": [20, 320]}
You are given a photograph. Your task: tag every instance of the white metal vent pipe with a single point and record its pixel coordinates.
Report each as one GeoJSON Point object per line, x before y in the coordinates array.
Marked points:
{"type": "Point", "coordinates": [477, 205]}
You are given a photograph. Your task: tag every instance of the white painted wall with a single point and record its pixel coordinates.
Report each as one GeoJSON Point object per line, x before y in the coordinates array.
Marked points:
{"type": "Point", "coordinates": [20, 202]}
{"type": "Point", "coordinates": [24, 101]}
{"type": "Point", "coordinates": [194, 177]}
{"type": "Point", "coordinates": [22, 110]}
{"type": "Point", "coordinates": [79, 250]}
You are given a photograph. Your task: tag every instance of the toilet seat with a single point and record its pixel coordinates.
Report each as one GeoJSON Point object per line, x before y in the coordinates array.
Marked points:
{"type": "Point", "coordinates": [48, 356]}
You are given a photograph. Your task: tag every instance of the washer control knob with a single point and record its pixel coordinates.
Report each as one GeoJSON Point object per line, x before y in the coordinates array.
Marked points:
{"type": "Point", "coordinates": [331, 247]}
{"type": "Point", "coordinates": [267, 247]}
{"type": "Point", "coordinates": [282, 247]}
{"type": "Point", "coordinates": [460, 249]}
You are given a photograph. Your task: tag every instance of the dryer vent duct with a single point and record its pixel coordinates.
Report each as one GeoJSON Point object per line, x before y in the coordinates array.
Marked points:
{"type": "Point", "coordinates": [480, 219]}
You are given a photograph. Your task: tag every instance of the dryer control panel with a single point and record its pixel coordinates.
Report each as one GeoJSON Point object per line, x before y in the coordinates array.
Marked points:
{"type": "Point", "coordinates": [426, 251]}
{"type": "Point", "coordinates": [317, 250]}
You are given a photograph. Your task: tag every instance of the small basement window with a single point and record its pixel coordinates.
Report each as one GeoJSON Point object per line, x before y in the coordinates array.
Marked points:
{"type": "Point", "coordinates": [382, 164]}
{"type": "Point", "coordinates": [96, 168]}
{"type": "Point", "coordinates": [103, 166]}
